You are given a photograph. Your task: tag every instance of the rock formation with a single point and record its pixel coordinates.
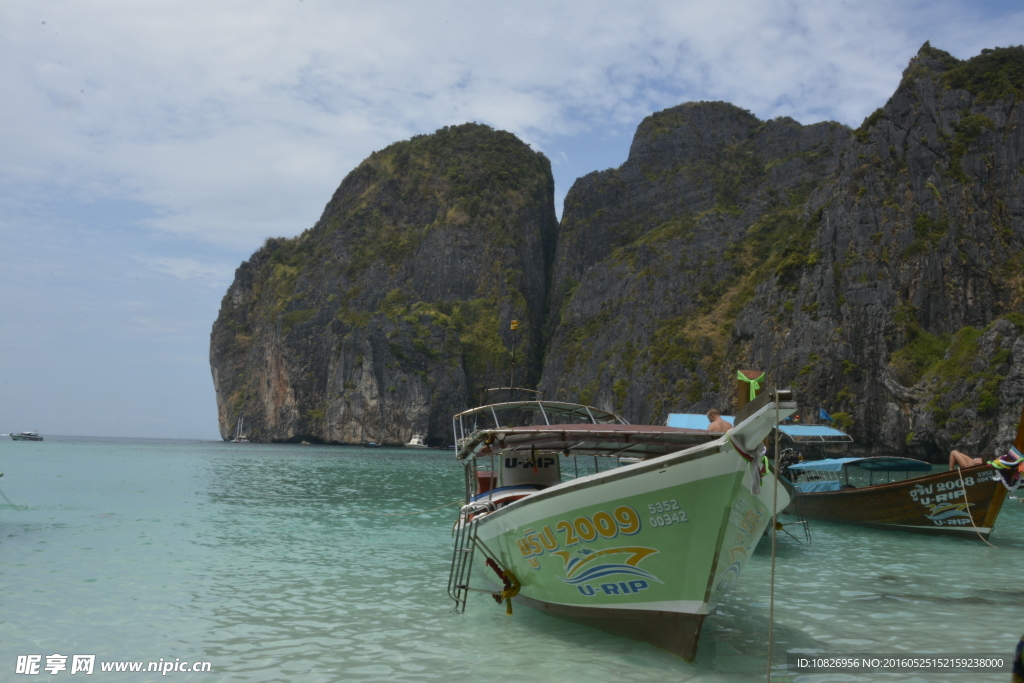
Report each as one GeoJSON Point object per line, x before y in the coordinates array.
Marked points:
{"type": "Point", "coordinates": [385, 317]}
{"type": "Point", "coordinates": [874, 270]}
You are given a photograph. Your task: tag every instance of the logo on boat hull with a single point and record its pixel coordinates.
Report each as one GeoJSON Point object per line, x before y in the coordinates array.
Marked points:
{"type": "Point", "coordinates": [950, 513]}
{"type": "Point", "coordinates": [585, 565]}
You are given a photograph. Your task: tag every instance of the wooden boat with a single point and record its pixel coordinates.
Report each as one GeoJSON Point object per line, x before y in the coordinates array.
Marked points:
{"type": "Point", "coordinates": [899, 493]}
{"type": "Point", "coordinates": [644, 547]}
{"type": "Point", "coordinates": [961, 502]}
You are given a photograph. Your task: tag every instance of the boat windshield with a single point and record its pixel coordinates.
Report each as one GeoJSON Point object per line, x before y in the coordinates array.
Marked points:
{"type": "Point", "coordinates": [835, 474]}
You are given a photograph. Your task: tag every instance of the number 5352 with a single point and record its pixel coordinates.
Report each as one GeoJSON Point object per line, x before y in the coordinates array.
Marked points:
{"type": "Point", "coordinates": [663, 506]}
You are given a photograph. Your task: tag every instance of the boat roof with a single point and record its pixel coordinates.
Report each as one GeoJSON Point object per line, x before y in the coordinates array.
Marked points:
{"type": "Point", "coordinates": [814, 433]}
{"type": "Point", "coordinates": [800, 433]}
{"type": "Point", "coordinates": [548, 408]}
{"type": "Point", "coordinates": [883, 464]}
{"type": "Point", "coordinates": [643, 441]}
{"type": "Point", "coordinates": [692, 420]}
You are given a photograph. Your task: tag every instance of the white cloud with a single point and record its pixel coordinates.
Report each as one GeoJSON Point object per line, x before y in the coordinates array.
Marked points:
{"type": "Point", "coordinates": [237, 120]}
{"type": "Point", "coordinates": [190, 269]}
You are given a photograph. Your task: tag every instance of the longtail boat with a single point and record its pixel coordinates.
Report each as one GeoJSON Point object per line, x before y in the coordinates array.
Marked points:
{"type": "Point", "coordinates": [961, 502]}
{"type": "Point", "coordinates": [899, 493]}
{"type": "Point", "coordinates": [644, 547]}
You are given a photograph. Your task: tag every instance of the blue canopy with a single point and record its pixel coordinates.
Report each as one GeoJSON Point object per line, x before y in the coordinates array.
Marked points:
{"type": "Point", "coordinates": [691, 420]}
{"type": "Point", "coordinates": [875, 464]}
{"type": "Point", "coordinates": [814, 433]}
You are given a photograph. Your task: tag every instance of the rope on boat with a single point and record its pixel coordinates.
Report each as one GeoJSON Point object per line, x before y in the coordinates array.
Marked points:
{"type": "Point", "coordinates": [401, 514]}
{"type": "Point", "coordinates": [964, 489]}
{"type": "Point", "coordinates": [775, 509]}
{"type": "Point", "coordinates": [511, 585]}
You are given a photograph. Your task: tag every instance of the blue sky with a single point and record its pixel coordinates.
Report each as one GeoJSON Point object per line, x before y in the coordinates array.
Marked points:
{"type": "Point", "coordinates": [149, 148]}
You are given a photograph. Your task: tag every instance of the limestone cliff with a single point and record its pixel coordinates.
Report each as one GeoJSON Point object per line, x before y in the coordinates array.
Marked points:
{"type": "Point", "coordinates": [906, 316]}
{"type": "Point", "coordinates": [656, 258]}
{"type": "Point", "coordinates": [392, 311]}
{"type": "Point", "coordinates": [874, 270]}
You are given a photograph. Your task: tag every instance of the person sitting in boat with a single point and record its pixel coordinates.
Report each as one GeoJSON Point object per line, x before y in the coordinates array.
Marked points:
{"type": "Point", "coordinates": [717, 423]}
{"type": "Point", "coordinates": [958, 459]}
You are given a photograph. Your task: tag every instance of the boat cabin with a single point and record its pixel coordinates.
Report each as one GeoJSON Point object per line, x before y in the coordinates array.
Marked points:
{"type": "Point", "coordinates": [835, 474]}
{"type": "Point", "coordinates": [514, 449]}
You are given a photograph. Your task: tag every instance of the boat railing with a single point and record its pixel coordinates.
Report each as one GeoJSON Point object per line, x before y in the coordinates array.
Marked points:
{"type": "Point", "coordinates": [497, 415]}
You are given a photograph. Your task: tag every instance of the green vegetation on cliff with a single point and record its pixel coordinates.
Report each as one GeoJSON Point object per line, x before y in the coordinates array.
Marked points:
{"type": "Point", "coordinates": [399, 296]}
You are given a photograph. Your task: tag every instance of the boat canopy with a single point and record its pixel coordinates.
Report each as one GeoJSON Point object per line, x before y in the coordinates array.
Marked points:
{"type": "Point", "coordinates": [873, 464]}
{"type": "Point", "coordinates": [692, 420]}
{"type": "Point", "coordinates": [815, 433]}
{"type": "Point", "coordinates": [615, 440]}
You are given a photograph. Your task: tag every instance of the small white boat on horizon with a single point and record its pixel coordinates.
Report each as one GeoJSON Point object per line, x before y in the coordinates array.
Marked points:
{"type": "Point", "coordinates": [239, 436]}
{"type": "Point", "coordinates": [416, 442]}
{"type": "Point", "coordinates": [26, 436]}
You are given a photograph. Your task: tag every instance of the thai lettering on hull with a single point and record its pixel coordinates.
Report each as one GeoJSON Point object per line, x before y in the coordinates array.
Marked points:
{"type": "Point", "coordinates": [585, 567]}
{"type": "Point", "coordinates": [944, 501]}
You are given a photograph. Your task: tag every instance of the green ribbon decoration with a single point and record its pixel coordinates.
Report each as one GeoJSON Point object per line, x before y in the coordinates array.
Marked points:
{"type": "Point", "coordinates": [755, 384]}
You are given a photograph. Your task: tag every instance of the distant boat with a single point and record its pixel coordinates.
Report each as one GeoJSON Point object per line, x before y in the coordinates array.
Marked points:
{"type": "Point", "coordinates": [416, 442]}
{"type": "Point", "coordinates": [26, 436]}
{"type": "Point", "coordinates": [371, 444]}
{"type": "Point", "coordinates": [239, 436]}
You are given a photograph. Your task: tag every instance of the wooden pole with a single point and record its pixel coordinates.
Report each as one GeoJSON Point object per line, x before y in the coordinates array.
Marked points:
{"type": "Point", "coordinates": [743, 388]}
{"type": "Point", "coordinates": [1019, 441]}
{"type": "Point", "coordinates": [512, 374]}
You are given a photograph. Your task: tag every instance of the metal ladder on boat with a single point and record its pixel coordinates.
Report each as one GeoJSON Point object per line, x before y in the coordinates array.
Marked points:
{"type": "Point", "coordinates": [462, 563]}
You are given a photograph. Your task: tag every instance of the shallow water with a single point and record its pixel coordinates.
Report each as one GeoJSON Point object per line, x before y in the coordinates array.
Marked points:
{"type": "Point", "coordinates": [279, 563]}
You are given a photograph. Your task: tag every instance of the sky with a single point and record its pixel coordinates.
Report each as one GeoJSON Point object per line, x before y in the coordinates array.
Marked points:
{"type": "Point", "coordinates": [147, 149]}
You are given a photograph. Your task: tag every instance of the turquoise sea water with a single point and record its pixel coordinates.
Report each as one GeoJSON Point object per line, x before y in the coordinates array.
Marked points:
{"type": "Point", "coordinates": [277, 563]}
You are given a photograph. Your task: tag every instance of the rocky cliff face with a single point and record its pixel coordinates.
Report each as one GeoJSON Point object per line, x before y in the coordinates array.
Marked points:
{"type": "Point", "coordinates": [876, 271]}
{"type": "Point", "coordinates": [656, 258]}
{"type": "Point", "coordinates": [906, 316]}
{"type": "Point", "coordinates": [392, 311]}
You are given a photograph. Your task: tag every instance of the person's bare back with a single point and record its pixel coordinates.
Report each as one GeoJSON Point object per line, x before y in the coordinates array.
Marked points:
{"type": "Point", "coordinates": [717, 423]}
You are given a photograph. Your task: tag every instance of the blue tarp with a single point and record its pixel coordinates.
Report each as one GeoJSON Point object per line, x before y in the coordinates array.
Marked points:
{"type": "Point", "coordinates": [814, 430]}
{"type": "Point", "coordinates": [829, 465]}
{"type": "Point", "coordinates": [816, 486]}
{"type": "Point", "coordinates": [877, 464]}
{"type": "Point", "coordinates": [691, 420]}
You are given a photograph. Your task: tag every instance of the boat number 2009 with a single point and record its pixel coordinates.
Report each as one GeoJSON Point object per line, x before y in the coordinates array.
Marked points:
{"type": "Point", "coordinates": [623, 519]}
{"type": "Point", "coordinates": [672, 513]}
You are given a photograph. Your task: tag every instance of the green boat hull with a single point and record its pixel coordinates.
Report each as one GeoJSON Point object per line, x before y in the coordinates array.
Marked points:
{"type": "Point", "coordinates": [645, 551]}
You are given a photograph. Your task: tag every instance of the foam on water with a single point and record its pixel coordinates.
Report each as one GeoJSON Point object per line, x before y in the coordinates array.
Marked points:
{"type": "Point", "coordinates": [281, 563]}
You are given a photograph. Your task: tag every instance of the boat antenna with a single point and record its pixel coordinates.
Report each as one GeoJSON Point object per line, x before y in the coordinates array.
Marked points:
{"type": "Point", "coordinates": [512, 374]}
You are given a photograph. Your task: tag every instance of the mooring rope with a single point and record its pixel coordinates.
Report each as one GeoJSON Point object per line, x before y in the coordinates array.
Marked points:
{"type": "Point", "coordinates": [964, 489]}
{"type": "Point", "coordinates": [403, 514]}
{"type": "Point", "coordinates": [775, 507]}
